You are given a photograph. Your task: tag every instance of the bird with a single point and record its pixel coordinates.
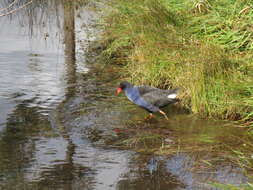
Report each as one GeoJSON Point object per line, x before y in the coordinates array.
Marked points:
{"type": "Point", "coordinates": [149, 98]}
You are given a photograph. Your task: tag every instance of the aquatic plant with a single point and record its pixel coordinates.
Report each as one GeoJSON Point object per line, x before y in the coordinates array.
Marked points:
{"type": "Point", "coordinates": [142, 141]}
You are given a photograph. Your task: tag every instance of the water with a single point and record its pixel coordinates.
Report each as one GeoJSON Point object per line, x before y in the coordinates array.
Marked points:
{"type": "Point", "coordinates": [32, 68]}
{"type": "Point", "coordinates": [60, 121]}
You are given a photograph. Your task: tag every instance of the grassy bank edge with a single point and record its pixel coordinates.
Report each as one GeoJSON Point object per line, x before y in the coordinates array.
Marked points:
{"type": "Point", "coordinates": [162, 43]}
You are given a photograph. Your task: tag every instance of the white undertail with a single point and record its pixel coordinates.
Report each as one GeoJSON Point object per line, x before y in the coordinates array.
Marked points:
{"type": "Point", "coordinates": [172, 96]}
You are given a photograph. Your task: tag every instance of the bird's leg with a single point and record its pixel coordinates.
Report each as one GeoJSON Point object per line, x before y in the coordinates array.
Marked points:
{"type": "Point", "coordinates": [149, 117]}
{"type": "Point", "coordinates": [164, 114]}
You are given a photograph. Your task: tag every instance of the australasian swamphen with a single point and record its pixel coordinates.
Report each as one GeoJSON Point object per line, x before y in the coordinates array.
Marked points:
{"type": "Point", "coordinates": [149, 98]}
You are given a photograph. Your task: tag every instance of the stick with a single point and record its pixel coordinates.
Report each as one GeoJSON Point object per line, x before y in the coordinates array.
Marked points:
{"type": "Point", "coordinates": [13, 11]}
{"type": "Point", "coordinates": [9, 6]}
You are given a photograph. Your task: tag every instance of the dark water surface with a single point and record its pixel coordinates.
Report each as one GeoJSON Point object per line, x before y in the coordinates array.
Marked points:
{"type": "Point", "coordinates": [58, 115]}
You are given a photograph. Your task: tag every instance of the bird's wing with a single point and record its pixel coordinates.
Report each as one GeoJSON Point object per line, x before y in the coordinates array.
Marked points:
{"type": "Point", "coordinates": [145, 89]}
{"type": "Point", "coordinates": [153, 97]}
{"type": "Point", "coordinates": [160, 98]}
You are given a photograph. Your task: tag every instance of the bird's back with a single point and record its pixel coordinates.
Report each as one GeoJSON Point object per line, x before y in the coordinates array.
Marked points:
{"type": "Point", "coordinates": [134, 96]}
{"type": "Point", "coordinates": [161, 98]}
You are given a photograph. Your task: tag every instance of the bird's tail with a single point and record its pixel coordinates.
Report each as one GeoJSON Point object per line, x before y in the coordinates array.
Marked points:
{"type": "Point", "coordinates": [173, 93]}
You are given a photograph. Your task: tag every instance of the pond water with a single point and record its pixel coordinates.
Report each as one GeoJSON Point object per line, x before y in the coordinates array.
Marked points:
{"type": "Point", "coordinates": [61, 125]}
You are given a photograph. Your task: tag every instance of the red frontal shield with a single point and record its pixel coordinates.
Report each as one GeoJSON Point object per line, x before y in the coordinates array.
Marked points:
{"type": "Point", "coordinates": [119, 90]}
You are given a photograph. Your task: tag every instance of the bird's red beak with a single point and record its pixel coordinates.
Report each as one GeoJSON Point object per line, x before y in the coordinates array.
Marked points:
{"type": "Point", "coordinates": [118, 91]}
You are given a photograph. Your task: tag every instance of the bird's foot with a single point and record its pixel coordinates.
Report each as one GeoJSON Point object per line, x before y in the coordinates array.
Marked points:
{"type": "Point", "coordinates": [149, 117]}
{"type": "Point", "coordinates": [164, 114]}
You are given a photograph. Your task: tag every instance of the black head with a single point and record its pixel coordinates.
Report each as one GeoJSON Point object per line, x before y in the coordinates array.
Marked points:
{"type": "Point", "coordinates": [122, 86]}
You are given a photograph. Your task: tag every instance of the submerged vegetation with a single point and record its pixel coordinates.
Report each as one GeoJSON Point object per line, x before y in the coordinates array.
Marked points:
{"type": "Point", "coordinates": [205, 48]}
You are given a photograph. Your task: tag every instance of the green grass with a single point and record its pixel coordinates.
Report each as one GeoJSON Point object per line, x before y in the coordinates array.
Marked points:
{"type": "Point", "coordinates": [203, 47]}
{"type": "Point", "coordinates": [232, 187]}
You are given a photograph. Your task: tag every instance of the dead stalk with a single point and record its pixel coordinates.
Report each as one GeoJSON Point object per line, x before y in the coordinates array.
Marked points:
{"type": "Point", "coordinates": [9, 6]}
{"type": "Point", "coordinates": [15, 10]}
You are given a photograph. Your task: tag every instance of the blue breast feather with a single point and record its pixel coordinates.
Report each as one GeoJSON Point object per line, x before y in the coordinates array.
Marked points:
{"type": "Point", "coordinates": [134, 96]}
